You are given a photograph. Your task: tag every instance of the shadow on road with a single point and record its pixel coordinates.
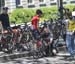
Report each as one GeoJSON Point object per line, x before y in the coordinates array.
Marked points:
{"type": "Point", "coordinates": [67, 58]}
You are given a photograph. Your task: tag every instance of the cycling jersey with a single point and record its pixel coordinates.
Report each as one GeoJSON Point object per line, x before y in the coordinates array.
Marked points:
{"type": "Point", "coordinates": [35, 21]}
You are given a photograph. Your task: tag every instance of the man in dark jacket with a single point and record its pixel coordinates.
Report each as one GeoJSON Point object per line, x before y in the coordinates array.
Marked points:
{"type": "Point", "coordinates": [4, 18]}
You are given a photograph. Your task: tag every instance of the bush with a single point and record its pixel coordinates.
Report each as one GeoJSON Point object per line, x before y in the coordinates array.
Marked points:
{"type": "Point", "coordinates": [21, 15]}
{"type": "Point", "coordinates": [25, 15]}
{"type": "Point", "coordinates": [70, 6]}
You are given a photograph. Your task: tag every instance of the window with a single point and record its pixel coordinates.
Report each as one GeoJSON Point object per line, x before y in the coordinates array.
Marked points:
{"type": "Point", "coordinates": [41, 0]}
{"type": "Point", "coordinates": [31, 6]}
{"type": "Point", "coordinates": [72, 2]}
{"type": "Point", "coordinates": [53, 3]}
{"type": "Point", "coordinates": [42, 5]}
{"type": "Point", "coordinates": [2, 3]}
{"type": "Point", "coordinates": [64, 3]}
{"type": "Point", "coordinates": [17, 2]}
{"type": "Point", "coordinates": [51, 0]}
{"type": "Point", "coordinates": [30, 1]}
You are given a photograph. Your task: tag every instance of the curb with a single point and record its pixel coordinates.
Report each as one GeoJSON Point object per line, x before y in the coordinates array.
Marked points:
{"type": "Point", "coordinates": [8, 57]}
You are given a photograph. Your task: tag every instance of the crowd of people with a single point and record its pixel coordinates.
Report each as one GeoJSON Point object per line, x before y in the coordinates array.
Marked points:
{"type": "Point", "coordinates": [68, 21]}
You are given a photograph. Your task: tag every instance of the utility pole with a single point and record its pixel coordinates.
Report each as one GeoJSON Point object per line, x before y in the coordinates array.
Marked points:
{"type": "Point", "coordinates": [60, 9]}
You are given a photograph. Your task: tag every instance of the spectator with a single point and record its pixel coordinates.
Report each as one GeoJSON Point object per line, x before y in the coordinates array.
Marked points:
{"type": "Point", "coordinates": [73, 9]}
{"type": "Point", "coordinates": [4, 18]}
{"type": "Point", "coordinates": [70, 25]}
{"type": "Point", "coordinates": [67, 13]}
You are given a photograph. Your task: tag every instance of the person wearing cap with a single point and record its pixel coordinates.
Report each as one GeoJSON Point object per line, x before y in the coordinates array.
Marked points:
{"type": "Point", "coordinates": [4, 18]}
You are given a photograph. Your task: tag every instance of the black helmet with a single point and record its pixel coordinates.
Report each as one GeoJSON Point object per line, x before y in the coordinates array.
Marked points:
{"type": "Point", "coordinates": [38, 11]}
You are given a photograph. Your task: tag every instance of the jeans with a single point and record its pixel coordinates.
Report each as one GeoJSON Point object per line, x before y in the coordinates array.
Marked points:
{"type": "Point", "coordinates": [70, 44]}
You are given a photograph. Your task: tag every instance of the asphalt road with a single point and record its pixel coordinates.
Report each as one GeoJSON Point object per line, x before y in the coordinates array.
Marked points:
{"type": "Point", "coordinates": [59, 59]}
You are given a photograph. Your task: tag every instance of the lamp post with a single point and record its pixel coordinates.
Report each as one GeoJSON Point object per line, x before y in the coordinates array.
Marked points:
{"type": "Point", "coordinates": [60, 8]}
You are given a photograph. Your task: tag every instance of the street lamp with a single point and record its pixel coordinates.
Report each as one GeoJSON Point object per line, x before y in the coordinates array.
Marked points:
{"type": "Point", "coordinates": [60, 8]}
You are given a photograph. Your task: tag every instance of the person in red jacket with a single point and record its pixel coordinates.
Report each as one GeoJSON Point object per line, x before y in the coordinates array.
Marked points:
{"type": "Point", "coordinates": [35, 23]}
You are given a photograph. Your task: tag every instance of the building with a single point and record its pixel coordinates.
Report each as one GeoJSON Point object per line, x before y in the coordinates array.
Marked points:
{"type": "Point", "coordinates": [13, 4]}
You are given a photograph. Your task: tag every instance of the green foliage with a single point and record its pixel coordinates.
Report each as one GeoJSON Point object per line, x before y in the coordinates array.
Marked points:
{"type": "Point", "coordinates": [70, 6]}
{"type": "Point", "coordinates": [49, 12]}
{"type": "Point", "coordinates": [21, 15]}
{"type": "Point", "coordinates": [25, 15]}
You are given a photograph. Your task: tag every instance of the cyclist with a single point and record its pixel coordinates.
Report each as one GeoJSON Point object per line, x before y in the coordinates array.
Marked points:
{"type": "Point", "coordinates": [35, 28]}
{"type": "Point", "coordinates": [35, 23]}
